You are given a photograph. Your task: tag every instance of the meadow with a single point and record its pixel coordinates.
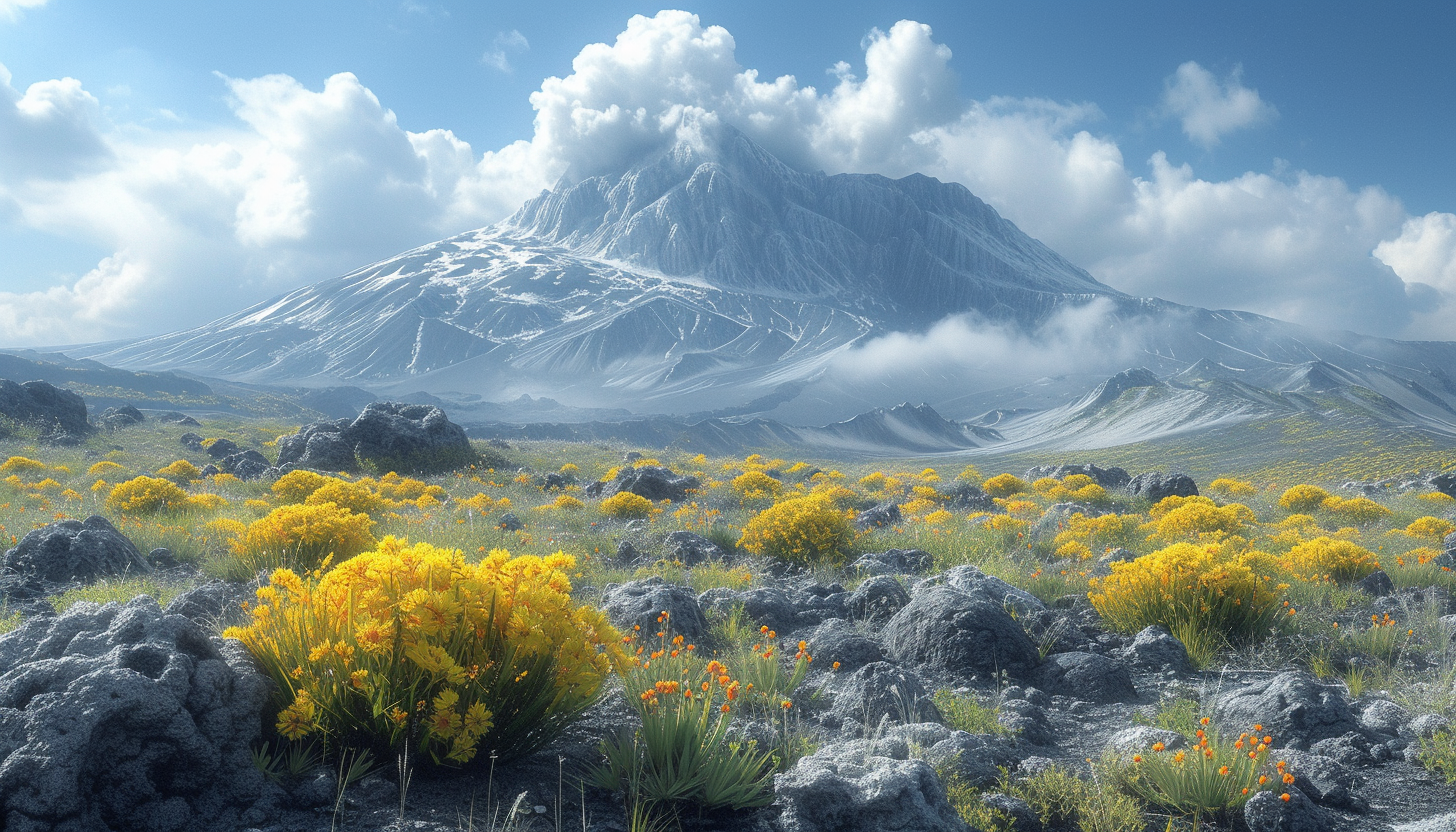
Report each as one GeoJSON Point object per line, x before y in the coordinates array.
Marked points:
{"type": "Point", "coordinates": [481, 587]}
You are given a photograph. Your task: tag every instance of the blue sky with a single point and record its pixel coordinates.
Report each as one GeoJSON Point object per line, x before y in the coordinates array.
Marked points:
{"type": "Point", "coordinates": [163, 163]}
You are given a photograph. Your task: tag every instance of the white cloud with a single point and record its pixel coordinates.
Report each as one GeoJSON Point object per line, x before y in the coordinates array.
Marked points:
{"type": "Point", "coordinates": [501, 48]}
{"type": "Point", "coordinates": [1210, 110]}
{"type": "Point", "coordinates": [311, 183]}
{"type": "Point", "coordinates": [11, 9]}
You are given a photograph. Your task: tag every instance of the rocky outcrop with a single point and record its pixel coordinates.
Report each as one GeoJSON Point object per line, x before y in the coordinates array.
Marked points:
{"type": "Point", "coordinates": [125, 718]}
{"type": "Point", "coordinates": [958, 632]}
{"type": "Point", "coordinates": [65, 552]}
{"type": "Point", "coordinates": [1086, 676]}
{"type": "Point", "coordinates": [1154, 486]}
{"type": "Point", "coordinates": [855, 787]}
{"type": "Point", "coordinates": [390, 436]}
{"type": "Point", "coordinates": [1292, 706]}
{"type": "Point", "coordinates": [639, 603]}
{"type": "Point", "coordinates": [58, 412]}
{"type": "Point", "coordinates": [655, 482]}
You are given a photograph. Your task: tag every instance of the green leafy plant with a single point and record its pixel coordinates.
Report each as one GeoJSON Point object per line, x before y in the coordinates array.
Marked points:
{"type": "Point", "coordinates": [1438, 754]}
{"type": "Point", "coordinates": [1210, 778]}
{"type": "Point", "coordinates": [966, 713]}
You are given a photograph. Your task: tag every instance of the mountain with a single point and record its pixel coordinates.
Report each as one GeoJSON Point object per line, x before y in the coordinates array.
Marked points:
{"type": "Point", "coordinates": [704, 278]}
{"type": "Point", "coordinates": [714, 283]}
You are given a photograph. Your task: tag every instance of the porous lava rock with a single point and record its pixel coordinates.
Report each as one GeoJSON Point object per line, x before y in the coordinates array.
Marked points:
{"type": "Point", "coordinates": [691, 549]}
{"type": "Point", "coordinates": [876, 517]}
{"type": "Point", "coordinates": [1155, 486]}
{"type": "Point", "coordinates": [1086, 676]}
{"type": "Point", "coordinates": [40, 403]}
{"type": "Point", "coordinates": [894, 562]}
{"type": "Point", "coordinates": [850, 787]}
{"type": "Point", "coordinates": [124, 718]}
{"type": "Point", "coordinates": [945, 629]}
{"type": "Point", "coordinates": [1106, 477]}
{"type": "Point", "coordinates": [1154, 648]}
{"type": "Point", "coordinates": [68, 551]}
{"type": "Point", "coordinates": [877, 600]}
{"type": "Point", "coordinates": [121, 417]}
{"type": "Point", "coordinates": [839, 641]}
{"type": "Point", "coordinates": [655, 482]}
{"type": "Point", "coordinates": [391, 436]}
{"type": "Point", "coordinates": [882, 691]}
{"type": "Point", "coordinates": [639, 603]}
{"type": "Point", "coordinates": [1266, 812]}
{"type": "Point", "coordinates": [1292, 706]}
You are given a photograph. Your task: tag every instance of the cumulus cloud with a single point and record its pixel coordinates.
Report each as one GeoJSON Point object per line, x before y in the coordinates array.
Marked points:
{"type": "Point", "coordinates": [313, 182]}
{"type": "Point", "coordinates": [502, 47]}
{"type": "Point", "coordinates": [11, 9]}
{"type": "Point", "coordinates": [1209, 110]}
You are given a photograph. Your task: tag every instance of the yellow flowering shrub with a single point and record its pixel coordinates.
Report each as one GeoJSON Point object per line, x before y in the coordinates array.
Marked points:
{"type": "Point", "coordinates": [1326, 558]}
{"type": "Point", "coordinates": [1360, 510]}
{"type": "Point", "coordinates": [480, 503]}
{"type": "Point", "coordinates": [756, 487]}
{"type": "Point", "coordinates": [207, 502]}
{"type": "Point", "coordinates": [1098, 534]}
{"type": "Point", "coordinates": [1303, 498]}
{"type": "Point", "coordinates": [303, 535]}
{"type": "Point", "coordinates": [1195, 591]}
{"type": "Point", "coordinates": [1429, 528]}
{"type": "Point", "coordinates": [392, 486]}
{"type": "Point", "coordinates": [104, 468]}
{"type": "Point", "coordinates": [1196, 518]}
{"type": "Point", "coordinates": [414, 644]}
{"type": "Point", "coordinates": [295, 486]}
{"type": "Point", "coordinates": [563, 502]}
{"type": "Point", "coordinates": [624, 505]}
{"type": "Point", "coordinates": [145, 495]}
{"type": "Point", "coordinates": [1004, 485]}
{"type": "Point", "coordinates": [803, 530]}
{"type": "Point", "coordinates": [1009, 531]}
{"type": "Point", "coordinates": [180, 472]}
{"type": "Point", "coordinates": [1232, 487]}
{"type": "Point", "coordinates": [22, 465]}
{"type": "Point", "coordinates": [357, 497]}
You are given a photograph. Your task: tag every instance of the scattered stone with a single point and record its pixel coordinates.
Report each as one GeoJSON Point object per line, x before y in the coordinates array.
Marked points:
{"type": "Point", "coordinates": [877, 600]}
{"type": "Point", "coordinates": [1351, 748]}
{"type": "Point", "coordinates": [1383, 717]}
{"type": "Point", "coordinates": [66, 551]}
{"type": "Point", "coordinates": [895, 562]}
{"type": "Point", "coordinates": [1154, 486]}
{"type": "Point", "coordinates": [655, 482]}
{"type": "Point", "coordinates": [639, 603]}
{"type": "Point", "coordinates": [628, 554]}
{"type": "Point", "coordinates": [1154, 648]}
{"type": "Point", "coordinates": [1320, 778]}
{"type": "Point", "coordinates": [1139, 739]}
{"type": "Point", "coordinates": [221, 448]}
{"type": "Point", "coordinates": [391, 436]}
{"type": "Point", "coordinates": [692, 549]}
{"type": "Point", "coordinates": [121, 417]}
{"type": "Point", "coordinates": [556, 482]}
{"type": "Point", "coordinates": [1108, 478]}
{"type": "Point", "coordinates": [320, 446]}
{"type": "Point", "coordinates": [1292, 706]}
{"type": "Point", "coordinates": [837, 640]}
{"type": "Point", "coordinates": [191, 441]}
{"type": "Point", "coordinates": [973, 581]}
{"type": "Point", "coordinates": [1439, 823]}
{"type": "Point", "coordinates": [1266, 812]}
{"type": "Point", "coordinates": [844, 787]}
{"type": "Point", "coordinates": [1086, 676]}
{"type": "Point", "coordinates": [967, 496]}
{"type": "Point", "coordinates": [974, 757]}
{"type": "Point", "coordinates": [245, 465]}
{"type": "Point", "coordinates": [958, 632]}
{"type": "Point", "coordinates": [1425, 726]}
{"type": "Point", "coordinates": [882, 691]}
{"type": "Point", "coordinates": [509, 522]}
{"type": "Point", "coordinates": [162, 557]}
{"type": "Point", "coordinates": [172, 417]}
{"type": "Point", "coordinates": [59, 411]}
{"type": "Point", "coordinates": [124, 718]}
{"type": "Point", "coordinates": [1023, 817]}
{"type": "Point", "coordinates": [215, 604]}
{"type": "Point", "coordinates": [885, 514]}
{"type": "Point", "coordinates": [1377, 584]}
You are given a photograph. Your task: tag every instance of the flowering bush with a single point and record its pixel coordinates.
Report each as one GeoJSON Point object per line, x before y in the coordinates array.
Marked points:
{"type": "Point", "coordinates": [1097, 534]}
{"type": "Point", "coordinates": [624, 505]}
{"type": "Point", "coordinates": [803, 530]}
{"type": "Point", "coordinates": [1359, 510]}
{"type": "Point", "coordinates": [104, 468]}
{"type": "Point", "coordinates": [295, 486]}
{"type": "Point", "coordinates": [1303, 498]}
{"type": "Point", "coordinates": [1232, 487]}
{"type": "Point", "coordinates": [1004, 485]}
{"type": "Point", "coordinates": [357, 497]}
{"type": "Point", "coordinates": [1196, 518]}
{"type": "Point", "coordinates": [180, 472]}
{"type": "Point", "coordinates": [1429, 528]}
{"type": "Point", "coordinates": [303, 535]}
{"type": "Point", "coordinates": [411, 645]}
{"type": "Point", "coordinates": [1078, 488]}
{"type": "Point", "coordinates": [1197, 592]}
{"type": "Point", "coordinates": [1213, 776]}
{"type": "Point", "coordinates": [756, 487]}
{"type": "Point", "coordinates": [22, 465]}
{"type": "Point", "coordinates": [392, 486]}
{"type": "Point", "coordinates": [146, 495]}
{"type": "Point", "coordinates": [1326, 558]}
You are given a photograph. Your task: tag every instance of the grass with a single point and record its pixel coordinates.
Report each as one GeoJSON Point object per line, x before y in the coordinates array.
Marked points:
{"type": "Point", "coordinates": [965, 712]}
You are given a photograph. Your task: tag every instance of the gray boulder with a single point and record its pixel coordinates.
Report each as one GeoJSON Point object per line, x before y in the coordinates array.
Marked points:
{"type": "Point", "coordinates": [1154, 648]}
{"type": "Point", "coordinates": [692, 549]}
{"type": "Point", "coordinates": [894, 562]}
{"type": "Point", "coordinates": [1426, 726]}
{"type": "Point", "coordinates": [41, 403]}
{"type": "Point", "coordinates": [192, 442]}
{"type": "Point", "coordinates": [246, 465]}
{"type": "Point", "coordinates": [655, 482]}
{"type": "Point", "coordinates": [975, 758]}
{"type": "Point", "coordinates": [172, 417]}
{"type": "Point", "coordinates": [1155, 486]}
{"type": "Point", "coordinates": [1086, 676]}
{"type": "Point", "coordinates": [1028, 720]}
{"type": "Point", "coordinates": [847, 787]}
{"type": "Point", "coordinates": [1140, 739]}
{"type": "Point", "coordinates": [973, 581]}
{"type": "Point", "coordinates": [320, 446]}
{"type": "Point", "coordinates": [70, 550]}
{"type": "Point", "coordinates": [408, 438]}
{"type": "Point", "coordinates": [837, 640]}
{"type": "Point", "coordinates": [1445, 483]}
{"type": "Point", "coordinates": [1377, 584]}
{"type": "Point", "coordinates": [967, 496]}
{"type": "Point", "coordinates": [639, 603]}
{"type": "Point", "coordinates": [1265, 812]}
{"type": "Point", "coordinates": [1320, 778]}
{"type": "Point", "coordinates": [957, 632]}
{"type": "Point", "coordinates": [1292, 706]}
{"type": "Point", "coordinates": [124, 718]}
{"type": "Point", "coordinates": [881, 691]}
{"type": "Point", "coordinates": [221, 448]}
{"type": "Point", "coordinates": [766, 606]}
{"type": "Point", "coordinates": [121, 417]}
{"type": "Point", "coordinates": [877, 600]}
{"type": "Point", "coordinates": [215, 604]}
{"type": "Point", "coordinates": [1383, 717]}
{"type": "Point", "coordinates": [1106, 477]}
{"type": "Point", "coordinates": [885, 514]}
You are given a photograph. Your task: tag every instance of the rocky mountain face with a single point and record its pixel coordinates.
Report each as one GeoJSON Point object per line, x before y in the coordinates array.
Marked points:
{"type": "Point", "coordinates": [714, 282]}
